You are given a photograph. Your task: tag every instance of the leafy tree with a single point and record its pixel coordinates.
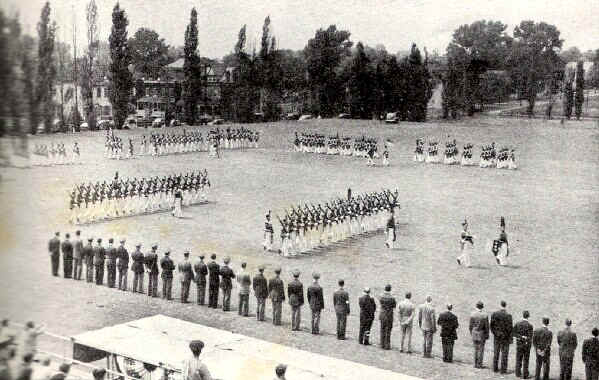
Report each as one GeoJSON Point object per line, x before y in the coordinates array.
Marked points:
{"type": "Point", "coordinates": [534, 58]}
{"type": "Point", "coordinates": [121, 79]}
{"type": "Point", "coordinates": [579, 99]}
{"type": "Point", "coordinates": [324, 53]}
{"type": "Point", "coordinates": [46, 72]}
{"type": "Point", "coordinates": [572, 54]}
{"type": "Point", "coordinates": [360, 84]}
{"type": "Point", "coordinates": [418, 87]}
{"type": "Point", "coordinates": [269, 73]}
{"type": "Point", "coordinates": [568, 99]}
{"type": "Point", "coordinates": [28, 70]}
{"type": "Point", "coordinates": [191, 69]}
{"type": "Point", "coordinates": [149, 52]}
{"type": "Point", "coordinates": [595, 70]}
{"type": "Point", "coordinates": [88, 64]}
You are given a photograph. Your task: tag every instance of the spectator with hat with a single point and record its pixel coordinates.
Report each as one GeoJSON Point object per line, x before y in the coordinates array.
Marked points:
{"type": "Point", "coordinates": [151, 261]}
{"type": "Point", "coordinates": [99, 259]}
{"type": "Point", "coordinates": [522, 331]}
{"type": "Point", "coordinates": [295, 292]}
{"type": "Point", "coordinates": [501, 326]}
{"type": "Point", "coordinates": [138, 269]}
{"type": "Point", "coordinates": [479, 330]}
{"type": "Point", "coordinates": [213, 282]}
{"type": "Point", "coordinates": [245, 281]}
{"type": "Point", "coordinates": [316, 302]}
{"type": "Point", "coordinates": [168, 266]}
{"type": "Point", "coordinates": [77, 256]}
{"type": "Point", "coordinates": [541, 340]}
{"type": "Point", "coordinates": [276, 292]}
{"type": "Point", "coordinates": [260, 286]}
{"type": "Point", "coordinates": [201, 271]}
{"type": "Point", "coordinates": [590, 355]}
{"type": "Point", "coordinates": [193, 367]}
{"type": "Point", "coordinates": [367, 310]}
{"type": "Point", "coordinates": [449, 324]}
{"type": "Point", "coordinates": [388, 304]}
{"type": "Point", "coordinates": [567, 342]}
{"type": "Point", "coordinates": [111, 255]}
{"type": "Point", "coordinates": [67, 257]}
{"type": "Point", "coordinates": [341, 304]}
{"type": "Point", "coordinates": [87, 256]}
{"type": "Point", "coordinates": [122, 264]}
{"type": "Point", "coordinates": [226, 283]}
{"type": "Point", "coordinates": [280, 372]}
{"type": "Point", "coordinates": [186, 276]}
{"type": "Point", "coordinates": [54, 249]}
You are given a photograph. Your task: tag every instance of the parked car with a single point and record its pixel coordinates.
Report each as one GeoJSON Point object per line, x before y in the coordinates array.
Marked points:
{"type": "Point", "coordinates": [105, 124]}
{"type": "Point", "coordinates": [157, 123]}
{"type": "Point", "coordinates": [204, 119]}
{"type": "Point", "coordinates": [175, 123]}
{"type": "Point", "coordinates": [392, 118]}
{"type": "Point", "coordinates": [217, 122]}
{"type": "Point", "coordinates": [291, 116]}
{"type": "Point", "coordinates": [344, 116]}
{"type": "Point", "coordinates": [305, 117]}
{"type": "Point", "coordinates": [131, 122]}
{"type": "Point", "coordinates": [84, 127]}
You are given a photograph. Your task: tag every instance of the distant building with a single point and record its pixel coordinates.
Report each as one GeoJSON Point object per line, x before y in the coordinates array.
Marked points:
{"type": "Point", "coordinates": [101, 99]}
{"type": "Point", "coordinates": [587, 66]}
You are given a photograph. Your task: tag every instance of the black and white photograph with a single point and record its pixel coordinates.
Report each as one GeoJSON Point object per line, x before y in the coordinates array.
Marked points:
{"type": "Point", "coordinates": [299, 190]}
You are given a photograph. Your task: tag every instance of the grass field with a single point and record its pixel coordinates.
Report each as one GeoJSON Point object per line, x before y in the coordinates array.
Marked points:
{"type": "Point", "coordinates": [551, 206]}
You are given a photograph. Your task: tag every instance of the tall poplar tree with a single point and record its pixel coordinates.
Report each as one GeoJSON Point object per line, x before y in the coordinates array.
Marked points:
{"type": "Point", "coordinates": [46, 70]}
{"type": "Point", "coordinates": [579, 98]}
{"type": "Point", "coordinates": [121, 79]}
{"type": "Point", "coordinates": [191, 70]}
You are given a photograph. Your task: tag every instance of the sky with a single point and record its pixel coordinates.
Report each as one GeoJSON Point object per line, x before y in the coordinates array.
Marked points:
{"type": "Point", "coordinates": [392, 23]}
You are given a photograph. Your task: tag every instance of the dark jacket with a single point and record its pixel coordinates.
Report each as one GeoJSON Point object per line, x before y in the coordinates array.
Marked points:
{"type": "Point", "coordinates": [260, 286]}
{"type": "Point", "coordinates": [590, 352]}
{"type": "Point", "coordinates": [276, 289]}
{"type": "Point", "coordinates": [295, 291]}
{"type": "Point", "coordinates": [214, 272]}
{"type": "Point", "coordinates": [54, 246]}
{"type": "Point", "coordinates": [67, 250]}
{"type": "Point", "coordinates": [501, 326]}
{"type": "Point", "coordinates": [567, 342]}
{"type": "Point", "coordinates": [111, 255]}
{"type": "Point", "coordinates": [123, 256]}
{"type": "Point", "coordinates": [138, 262]}
{"type": "Point", "coordinates": [185, 271]}
{"type": "Point", "coordinates": [341, 301]}
{"type": "Point", "coordinates": [449, 324]}
{"type": "Point", "coordinates": [99, 255]}
{"type": "Point", "coordinates": [87, 255]}
{"type": "Point", "coordinates": [367, 307]}
{"type": "Point", "coordinates": [226, 275]}
{"type": "Point", "coordinates": [542, 338]}
{"type": "Point", "coordinates": [479, 326]}
{"type": "Point", "coordinates": [201, 271]}
{"type": "Point", "coordinates": [315, 297]}
{"type": "Point", "coordinates": [388, 303]}
{"type": "Point", "coordinates": [522, 331]}
{"type": "Point", "coordinates": [152, 263]}
{"type": "Point", "coordinates": [168, 266]}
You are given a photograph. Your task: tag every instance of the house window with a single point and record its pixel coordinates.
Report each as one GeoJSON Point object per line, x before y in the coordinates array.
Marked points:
{"type": "Point", "coordinates": [163, 91]}
{"type": "Point", "coordinates": [99, 92]}
{"type": "Point", "coordinates": [147, 91]}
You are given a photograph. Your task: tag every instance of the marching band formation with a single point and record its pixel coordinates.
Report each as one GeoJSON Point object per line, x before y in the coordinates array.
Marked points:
{"type": "Point", "coordinates": [119, 198]}
{"type": "Point", "coordinates": [307, 227]}
{"type": "Point", "coordinates": [44, 155]}
{"type": "Point", "coordinates": [490, 157]}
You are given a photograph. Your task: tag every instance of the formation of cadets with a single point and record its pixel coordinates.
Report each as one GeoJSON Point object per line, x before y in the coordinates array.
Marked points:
{"type": "Point", "coordinates": [490, 157]}
{"type": "Point", "coordinates": [115, 149]}
{"type": "Point", "coordinates": [234, 138]}
{"type": "Point", "coordinates": [160, 144]}
{"type": "Point", "coordinates": [304, 228]}
{"type": "Point", "coordinates": [127, 197]}
{"type": "Point", "coordinates": [366, 147]}
{"type": "Point", "coordinates": [112, 262]}
{"type": "Point", "coordinates": [44, 155]}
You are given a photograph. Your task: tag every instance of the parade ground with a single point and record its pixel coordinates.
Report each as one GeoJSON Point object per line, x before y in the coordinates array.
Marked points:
{"type": "Point", "coordinates": [550, 204]}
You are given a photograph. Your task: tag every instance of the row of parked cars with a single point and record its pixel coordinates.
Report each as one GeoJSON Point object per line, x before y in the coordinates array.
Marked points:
{"type": "Point", "coordinates": [391, 117]}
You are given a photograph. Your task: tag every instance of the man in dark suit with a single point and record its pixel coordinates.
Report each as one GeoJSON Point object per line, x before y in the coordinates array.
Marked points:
{"type": "Point", "coordinates": [201, 271]}
{"type": "Point", "coordinates": [541, 340]}
{"type": "Point", "coordinates": [122, 265]}
{"type": "Point", "coordinates": [168, 266]}
{"type": "Point", "coordinates": [111, 255]}
{"type": "Point", "coordinates": [138, 269]}
{"type": "Point", "coordinates": [213, 282]}
{"type": "Point", "coordinates": [388, 303]}
{"type": "Point", "coordinates": [186, 276]}
{"type": "Point", "coordinates": [590, 355]}
{"type": "Point", "coordinates": [479, 330]}
{"type": "Point", "coordinates": [522, 331]}
{"type": "Point", "coordinates": [367, 310]}
{"type": "Point", "coordinates": [54, 249]}
{"type": "Point", "coordinates": [448, 322]}
{"type": "Point", "coordinates": [276, 292]}
{"type": "Point", "coordinates": [260, 286]}
{"type": "Point", "coordinates": [67, 257]}
{"type": "Point", "coordinates": [295, 292]}
{"type": "Point", "coordinates": [341, 304]}
{"type": "Point", "coordinates": [152, 268]}
{"type": "Point", "coordinates": [501, 327]}
{"type": "Point", "coordinates": [316, 301]}
{"type": "Point", "coordinates": [567, 342]}
{"type": "Point", "coordinates": [99, 259]}
{"type": "Point", "coordinates": [87, 256]}
{"type": "Point", "coordinates": [226, 283]}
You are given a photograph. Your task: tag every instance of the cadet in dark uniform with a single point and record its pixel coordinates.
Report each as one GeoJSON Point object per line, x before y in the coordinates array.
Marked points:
{"type": "Point", "coordinates": [341, 304]}
{"type": "Point", "coordinates": [67, 257]}
{"type": "Point", "coordinates": [388, 303]}
{"type": "Point", "coordinates": [99, 258]}
{"type": "Point", "coordinates": [111, 255]}
{"type": "Point", "coordinates": [226, 283]}
{"type": "Point", "coordinates": [122, 265]}
{"type": "Point", "coordinates": [276, 291]}
{"type": "Point", "coordinates": [213, 282]}
{"type": "Point", "coordinates": [260, 286]}
{"type": "Point", "coordinates": [168, 266]}
{"type": "Point", "coordinates": [367, 310]}
{"type": "Point", "coordinates": [87, 255]}
{"type": "Point", "coordinates": [77, 256]}
{"type": "Point", "coordinates": [138, 269]}
{"type": "Point", "coordinates": [186, 275]}
{"type": "Point", "coordinates": [54, 249]}
{"type": "Point", "coordinates": [201, 271]}
{"type": "Point", "coordinates": [295, 292]}
{"type": "Point", "coordinates": [316, 301]}
{"type": "Point", "coordinates": [152, 268]}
